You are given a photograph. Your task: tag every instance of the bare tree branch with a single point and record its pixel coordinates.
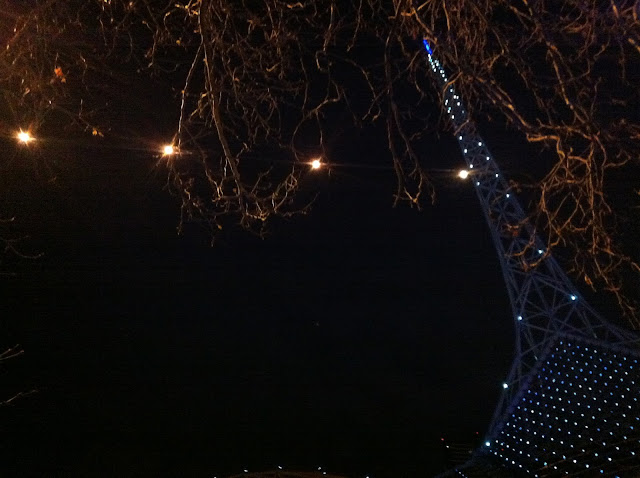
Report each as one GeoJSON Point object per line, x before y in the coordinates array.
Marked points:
{"type": "Point", "coordinates": [260, 83]}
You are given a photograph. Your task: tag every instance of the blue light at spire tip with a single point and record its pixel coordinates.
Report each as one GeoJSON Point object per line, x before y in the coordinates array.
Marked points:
{"type": "Point", "coordinates": [427, 47]}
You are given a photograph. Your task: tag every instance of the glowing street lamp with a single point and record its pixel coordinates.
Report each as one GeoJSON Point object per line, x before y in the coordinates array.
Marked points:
{"type": "Point", "coordinates": [463, 174]}
{"type": "Point", "coordinates": [316, 164]}
{"type": "Point", "coordinates": [168, 150]}
{"type": "Point", "coordinates": [24, 137]}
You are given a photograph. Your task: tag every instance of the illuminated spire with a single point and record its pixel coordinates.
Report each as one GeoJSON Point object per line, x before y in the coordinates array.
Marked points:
{"type": "Point", "coordinates": [574, 383]}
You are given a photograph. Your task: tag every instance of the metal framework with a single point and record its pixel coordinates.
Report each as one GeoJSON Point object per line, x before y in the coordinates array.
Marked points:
{"type": "Point", "coordinates": [557, 406]}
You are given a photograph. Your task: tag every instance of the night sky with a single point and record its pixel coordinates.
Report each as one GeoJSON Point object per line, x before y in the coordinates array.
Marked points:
{"type": "Point", "coordinates": [353, 338]}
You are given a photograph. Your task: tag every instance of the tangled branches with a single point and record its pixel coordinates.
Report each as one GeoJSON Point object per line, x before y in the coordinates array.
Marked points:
{"type": "Point", "coordinates": [259, 84]}
{"type": "Point", "coordinates": [266, 80]}
{"type": "Point", "coordinates": [565, 75]}
{"type": "Point", "coordinates": [11, 353]}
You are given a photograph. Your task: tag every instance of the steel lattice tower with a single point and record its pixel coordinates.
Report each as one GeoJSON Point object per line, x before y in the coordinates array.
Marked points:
{"type": "Point", "coordinates": [570, 401]}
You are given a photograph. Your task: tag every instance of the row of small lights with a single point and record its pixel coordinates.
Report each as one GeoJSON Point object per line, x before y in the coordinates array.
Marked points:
{"type": "Point", "coordinates": [280, 468]}
{"type": "Point", "coordinates": [464, 173]}
{"type": "Point", "coordinates": [170, 150]}
{"type": "Point", "coordinates": [537, 402]}
{"type": "Point", "coordinates": [437, 68]}
{"type": "Point", "coordinates": [25, 138]}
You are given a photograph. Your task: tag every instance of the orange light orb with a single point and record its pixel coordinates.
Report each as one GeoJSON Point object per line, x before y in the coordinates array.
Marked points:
{"type": "Point", "coordinates": [168, 150]}
{"type": "Point", "coordinates": [24, 137]}
{"type": "Point", "coordinates": [316, 164]}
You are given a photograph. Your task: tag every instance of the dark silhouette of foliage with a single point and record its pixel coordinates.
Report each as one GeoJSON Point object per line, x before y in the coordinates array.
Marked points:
{"type": "Point", "coordinates": [257, 85]}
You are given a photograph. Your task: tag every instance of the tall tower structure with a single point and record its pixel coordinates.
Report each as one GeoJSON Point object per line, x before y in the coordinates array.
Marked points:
{"type": "Point", "coordinates": [569, 404]}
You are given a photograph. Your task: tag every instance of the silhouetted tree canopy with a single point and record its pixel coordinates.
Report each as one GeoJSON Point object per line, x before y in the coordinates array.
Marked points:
{"type": "Point", "coordinates": [257, 83]}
